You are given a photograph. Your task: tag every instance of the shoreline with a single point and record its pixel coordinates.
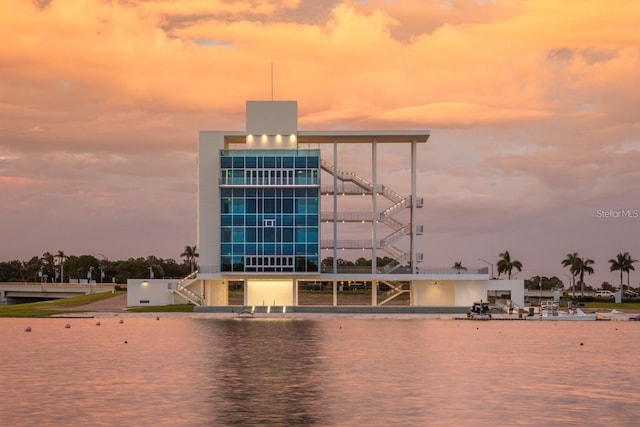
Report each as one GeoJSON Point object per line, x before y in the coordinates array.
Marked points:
{"type": "Point", "coordinates": [619, 316]}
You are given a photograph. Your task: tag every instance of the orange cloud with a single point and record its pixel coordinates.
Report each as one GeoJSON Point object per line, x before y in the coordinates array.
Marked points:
{"type": "Point", "coordinates": [101, 101]}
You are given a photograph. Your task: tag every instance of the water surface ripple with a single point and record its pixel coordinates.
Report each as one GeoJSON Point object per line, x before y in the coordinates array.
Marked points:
{"type": "Point", "coordinates": [324, 372]}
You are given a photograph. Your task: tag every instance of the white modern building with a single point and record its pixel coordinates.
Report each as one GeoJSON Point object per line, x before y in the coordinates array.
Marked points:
{"type": "Point", "coordinates": [279, 210]}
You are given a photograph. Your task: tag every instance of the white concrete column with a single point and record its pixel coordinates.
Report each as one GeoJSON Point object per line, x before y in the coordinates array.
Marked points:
{"type": "Point", "coordinates": [295, 292]}
{"type": "Point", "coordinates": [245, 292]}
{"type": "Point", "coordinates": [374, 198]}
{"type": "Point", "coordinates": [374, 293]}
{"type": "Point", "coordinates": [335, 292]}
{"type": "Point", "coordinates": [414, 268]}
{"type": "Point", "coordinates": [335, 206]}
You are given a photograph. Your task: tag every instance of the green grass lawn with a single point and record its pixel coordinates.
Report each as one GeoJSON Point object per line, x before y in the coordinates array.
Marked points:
{"type": "Point", "coordinates": [611, 305]}
{"type": "Point", "coordinates": [173, 308]}
{"type": "Point", "coordinates": [49, 308]}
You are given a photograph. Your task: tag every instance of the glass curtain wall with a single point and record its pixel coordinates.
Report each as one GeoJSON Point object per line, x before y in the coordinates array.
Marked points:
{"type": "Point", "coordinates": [269, 210]}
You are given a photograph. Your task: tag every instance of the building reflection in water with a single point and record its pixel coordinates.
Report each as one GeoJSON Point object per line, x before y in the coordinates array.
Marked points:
{"type": "Point", "coordinates": [265, 371]}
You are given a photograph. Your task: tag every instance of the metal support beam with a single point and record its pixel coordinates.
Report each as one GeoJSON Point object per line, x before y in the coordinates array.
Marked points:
{"type": "Point", "coordinates": [414, 148]}
{"type": "Point", "coordinates": [335, 207]}
{"type": "Point", "coordinates": [374, 197]}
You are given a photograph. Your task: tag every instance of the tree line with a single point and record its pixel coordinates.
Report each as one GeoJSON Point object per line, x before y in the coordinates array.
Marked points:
{"type": "Point", "coordinates": [62, 268]}
{"type": "Point", "coordinates": [59, 267]}
{"type": "Point", "coordinates": [578, 267]}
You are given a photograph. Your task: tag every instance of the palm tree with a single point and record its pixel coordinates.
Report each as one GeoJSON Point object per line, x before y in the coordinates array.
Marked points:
{"type": "Point", "coordinates": [583, 266]}
{"type": "Point", "coordinates": [458, 266]}
{"type": "Point", "coordinates": [623, 263]}
{"type": "Point", "coordinates": [190, 254]}
{"type": "Point", "coordinates": [630, 263]}
{"type": "Point", "coordinates": [571, 261]}
{"type": "Point", "coordinates": [506, 265]}
{"type": "Point", "coordinates": [61, 259]}
{"type": "Point", "coordinates": [48, 265]}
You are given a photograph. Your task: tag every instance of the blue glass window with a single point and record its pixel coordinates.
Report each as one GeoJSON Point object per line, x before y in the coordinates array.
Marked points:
{"type": "Point", "coordinates": [269, 162]}
{"type": "Point", "coordinates": [226, 162]}
{"type": "Point", "coordinates": [275, 224]}
{"type": "Point", "coordinates": [238, 234]}
{"type": "Point", "coordinates": [287, 162]}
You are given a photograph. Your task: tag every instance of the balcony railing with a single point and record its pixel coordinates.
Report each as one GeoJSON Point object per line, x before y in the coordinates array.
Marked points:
{"type": "Point", "coordinates": [347, 216]}
{"type": "Point", "coordinates": [268, 182]}
{"type": "Point", "coordinates": [366, 269]}
{"type": "Point", "coordinates": [301, 152]}
{"type": "Point", "coordinates": [451, 270]}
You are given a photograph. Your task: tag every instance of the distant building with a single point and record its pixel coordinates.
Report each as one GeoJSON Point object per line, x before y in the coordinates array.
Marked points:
{"type": "Point", "coordinates": [270, 206]}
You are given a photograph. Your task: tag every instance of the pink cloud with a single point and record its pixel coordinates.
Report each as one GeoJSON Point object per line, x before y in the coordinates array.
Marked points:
{"type": "Point", "coordinates": [531, 106]}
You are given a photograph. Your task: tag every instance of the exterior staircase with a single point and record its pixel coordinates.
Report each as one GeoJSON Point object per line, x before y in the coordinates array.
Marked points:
{"type": "Point", "coordinates": [182, 290]}
{"type": "Point", "coordinates": [360, 185]}
{"type": "Point", "coordinates": [396, 288]}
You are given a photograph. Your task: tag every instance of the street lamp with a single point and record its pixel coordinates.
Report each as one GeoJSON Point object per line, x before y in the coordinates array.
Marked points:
{"type": "Point", "coordinates": [488, 263]}
{"type": "Point", "coordinates": [572, 283]}
{"type": "Point", "coordinates": [103, 266]}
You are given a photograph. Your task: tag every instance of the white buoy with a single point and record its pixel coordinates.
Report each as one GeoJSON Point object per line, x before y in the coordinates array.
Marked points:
{"type": "Point", "coordinates": [27, 329]}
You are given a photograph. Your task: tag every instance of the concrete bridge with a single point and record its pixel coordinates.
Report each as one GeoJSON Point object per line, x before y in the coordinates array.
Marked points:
{"type": "Point", "coordinates": [19, 292]}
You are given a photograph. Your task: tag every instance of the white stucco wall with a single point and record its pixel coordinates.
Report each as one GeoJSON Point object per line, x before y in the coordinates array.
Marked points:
{"type": "Point", "coordinates": [515, 286]}
{"type": "Point", "coordinates": [210, 144]}
{"type": "Point", "coordinates": [270, 292]}
{"type": "Point", "coordinates": [216, 292]}
{"type": "Point", "coordinates": [147, 292]}
{"type": "Point", "coordinates": [271, 117]}
{"type": "Point", "coordinates": [470, 291]}
{"type": "Point", "coordinates": [462, 293]}
{"type": "Point", "coordinates": [432, 293]}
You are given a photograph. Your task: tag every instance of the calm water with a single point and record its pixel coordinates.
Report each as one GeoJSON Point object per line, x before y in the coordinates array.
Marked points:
{"type": "Point", "coordinates": [325, 372]}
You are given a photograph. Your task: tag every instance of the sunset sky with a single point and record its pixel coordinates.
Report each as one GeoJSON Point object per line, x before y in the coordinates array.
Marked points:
{"type": "Point", "coordinates": [533, 107]}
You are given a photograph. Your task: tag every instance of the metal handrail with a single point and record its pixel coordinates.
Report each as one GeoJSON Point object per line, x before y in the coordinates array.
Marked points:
{"type": "Point", "coordinates": [394, 236]}
{"type": "Point", "coordinates": [347, 216]}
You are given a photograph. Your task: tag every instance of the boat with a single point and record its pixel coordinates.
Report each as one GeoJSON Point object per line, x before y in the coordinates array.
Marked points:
{"type": "Point", "coordinates": [551, 312]}
{"type": "Point", "coordinates": [479, 311]}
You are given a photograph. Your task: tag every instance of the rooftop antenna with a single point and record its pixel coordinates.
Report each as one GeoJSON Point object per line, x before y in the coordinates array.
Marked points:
{"type": "Point", "coordinates": [272, 80]}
